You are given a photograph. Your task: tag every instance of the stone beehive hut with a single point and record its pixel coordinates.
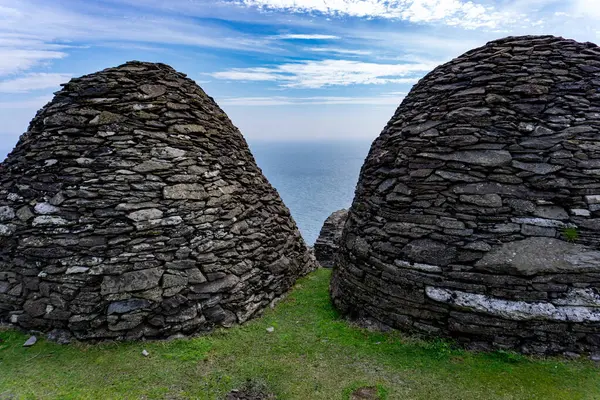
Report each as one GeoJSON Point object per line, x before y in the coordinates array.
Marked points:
{"type": "Point", "coordinates": [477, 214]}
{"type": "Point", "coordinates": [327, 244]}
{"type": "Point", "coordinates": [132, 208]}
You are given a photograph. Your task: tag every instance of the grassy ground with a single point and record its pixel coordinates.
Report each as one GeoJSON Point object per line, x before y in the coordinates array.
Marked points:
{"type": "Point", "coordinates": [312, 354]}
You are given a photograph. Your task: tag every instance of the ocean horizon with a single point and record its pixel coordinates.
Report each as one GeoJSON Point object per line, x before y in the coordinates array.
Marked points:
{"type": "Point", "coordinates": [314, 178]}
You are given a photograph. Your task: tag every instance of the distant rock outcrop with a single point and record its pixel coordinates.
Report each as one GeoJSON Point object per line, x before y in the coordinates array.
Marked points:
{"type": "Point", "coordinates": [477, 212]}
{"type": "Point", "coordinates": [327, 243]}
{"type": "Point", "coordinates": [133, 208]}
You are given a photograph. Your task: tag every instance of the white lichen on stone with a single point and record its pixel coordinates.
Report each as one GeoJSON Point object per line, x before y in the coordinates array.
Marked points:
{"type": "Point", "coordinates": [593, 199]}
{"type": "Point", "coordinates": [418, 266]}
{"type": "Point", "coordinates": [84, 161]}
{"type": "Point", "coordinates": [549, 223]}
{"type": "Point", "coordinates": [145, 215]}
{"type": "Point", "coordinates": [167, 152]}
{"type": "Point", "coordinates": [6, 230]}
{"type": "Point", "coordinates": [47, 220]}
{"type": "Point", "coordinates": [46, 208]}
{"type": "Point", "coordinates": [518, 310]}
{"type": "Point", "coordinates": [580, 297]}
{"type": "Point", "coordinates": [14, 197]}
{"type": "Point", "coordinates": [580, 212]}
{"type": "Point", "coordinates": [77, 270]}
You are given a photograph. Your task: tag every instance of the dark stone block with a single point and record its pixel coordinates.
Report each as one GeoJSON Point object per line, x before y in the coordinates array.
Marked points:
{"type": "Point", "coordinates": [429, 252]}
{"type": "Point", "coordinates": [126, 306]}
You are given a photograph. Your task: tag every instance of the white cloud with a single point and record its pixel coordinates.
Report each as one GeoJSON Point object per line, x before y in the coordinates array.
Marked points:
{"type": "Point", "coordinates": [33, 81]}
{"type": "Point", "coordinates": [15, 60]}
{"type": "Point", "coordinates": [463, 13]}
{"type": "Point", "coordinates": [33, 32]}
{"type": "Point", "coordinates": [297, 36]}
{"type": "Point", "coordinates": [32, 104]}
{"type": "Point", "coordinates": [384, 99]}
{"type": "Point", "coordinates": [590, 8]}
{"type": "Point", "coordinates": [316, 74]}
{"type": "Point", "coordinates": [20, 51]}
{"type": "Point", "coordinates": [6, 12]}
{"type": "Point", "coordinates": [339, 51]}
{"type": "Point", "coordinates": [11, 40]}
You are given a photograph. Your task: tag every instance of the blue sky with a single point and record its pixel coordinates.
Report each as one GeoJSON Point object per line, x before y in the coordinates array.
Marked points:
{"type": "Point", "coordinates": [281, 69]}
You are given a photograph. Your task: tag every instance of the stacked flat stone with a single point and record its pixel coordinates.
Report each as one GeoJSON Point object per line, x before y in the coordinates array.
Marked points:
{"type": "Point", "coordinates": [132, 208]}
{"type": "Point", "coordinates": [477, 214]}
{"type": "Point", "coordinates": [327, 243]}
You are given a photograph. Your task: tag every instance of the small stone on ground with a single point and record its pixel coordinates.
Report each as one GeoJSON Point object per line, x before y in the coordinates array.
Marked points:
{"type": "Point", "coordinates": [30, 342]}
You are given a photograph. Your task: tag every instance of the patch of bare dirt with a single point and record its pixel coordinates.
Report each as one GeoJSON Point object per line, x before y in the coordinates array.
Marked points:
{"type": "Point", "coordinates": [365, 393]}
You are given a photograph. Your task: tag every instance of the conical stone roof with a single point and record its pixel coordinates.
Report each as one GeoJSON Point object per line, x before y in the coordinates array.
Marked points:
{"type": "Point", "coordinates": [477, 212]}
{"type": "Point", "coordinates": [132, 207]}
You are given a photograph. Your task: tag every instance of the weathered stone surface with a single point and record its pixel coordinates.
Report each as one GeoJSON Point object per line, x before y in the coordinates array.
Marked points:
{"type": "Point", "coordinates": [131, 281]}
{"type": "Point", "coordinates": [485, 200]}
{"type": "Point", "coordinates": [7, 230]}
{"type": "Point", "coordinates": [106, 118]}
{"type": "Point", "coordinates": [45, 208]}
{"type": "Point", "coordinates": [496, 229]}
{"type": "Point", "coordinates": [167, 152]}
{"type": "Point", "coordinates": [151, 166]}
{"type": "Point", "coordinates": [429, 251]}
{"type": "Point", "coordinates": [327, 243]}
{"type": "Point", "coordinates": [595, 199]}
{"type": "Point", "coordinates": [537, 168]}
{"type": "Point", "coordinates": [487, 158]}
{"type": "Point", "coordinates": [60, 336]}
{"type": "Point", "coordinates": [190, 128]}
{"type": "Point", "coordinates": [152, 91]}
{"type": "Point", "coordinates": [184, 191]}
{"type": "Point", "coordinates": [6, 213]}
{"type": "Point", "coordinates": [132, 208]}
{"type": "Point", "coordinates": [145, 215]}
{"type": "Point", "coordinates": [538, 255]}
{"type": "Point", "coordinates": [533, 230]}
{"type": "Point", "coordinates": [551, 212]}
{"type": "Point", "coordinates": [126, 306]}
{"type": "Point", "coordinates": [24, 213]}
{"type": "Point", "coordinates": [217, 286]}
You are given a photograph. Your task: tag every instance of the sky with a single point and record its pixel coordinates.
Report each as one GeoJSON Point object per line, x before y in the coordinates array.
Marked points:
{"type": "Point", "coordinates": [283, 70]}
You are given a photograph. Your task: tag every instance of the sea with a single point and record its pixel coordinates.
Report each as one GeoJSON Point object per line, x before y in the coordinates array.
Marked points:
{"type": "Point", "coordinates": [314, 179]}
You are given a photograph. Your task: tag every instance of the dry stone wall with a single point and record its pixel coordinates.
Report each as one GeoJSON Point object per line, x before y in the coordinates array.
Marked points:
{"type": "Point", "coordinates": [133, 208]}
{"type": "Point", "coordinates": [327, 244]}
{"type": "Point", "coordinates": [477, 213]}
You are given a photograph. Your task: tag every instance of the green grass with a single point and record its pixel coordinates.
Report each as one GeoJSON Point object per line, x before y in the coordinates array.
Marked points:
{"type": "Point", "coordinates": [571, 234]}
{"type": "Point", "coordinates": [312, 354]}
